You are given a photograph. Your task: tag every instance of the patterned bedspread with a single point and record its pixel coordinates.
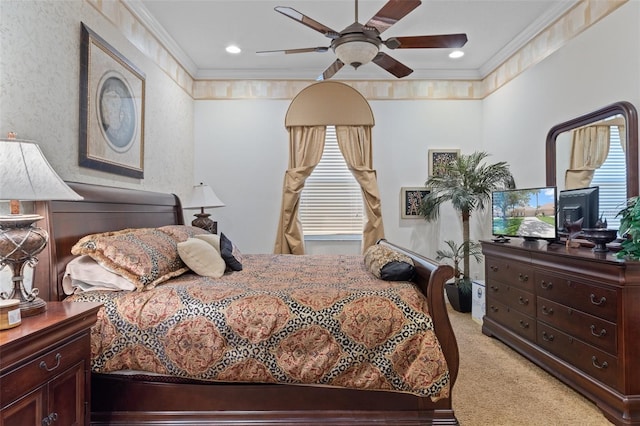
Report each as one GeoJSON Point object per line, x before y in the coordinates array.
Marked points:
{"type": "Point", "coordinates": [321, 319]}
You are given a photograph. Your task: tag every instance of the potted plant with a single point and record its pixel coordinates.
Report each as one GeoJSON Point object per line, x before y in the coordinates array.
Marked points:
{"type": "Point", "coordinates": [467, 182]}
{"type": "Point", "coordinates": [459, 291]}
{"type": "Point", "coordinates": [630, 230]}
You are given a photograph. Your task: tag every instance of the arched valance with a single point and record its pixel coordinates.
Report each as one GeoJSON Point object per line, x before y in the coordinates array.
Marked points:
{"type": "Point", "coordinates": [329, 103]}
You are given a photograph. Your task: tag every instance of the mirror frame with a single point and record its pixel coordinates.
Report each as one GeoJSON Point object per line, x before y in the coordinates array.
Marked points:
{"type": "Point", "coordinates": [624, 108]}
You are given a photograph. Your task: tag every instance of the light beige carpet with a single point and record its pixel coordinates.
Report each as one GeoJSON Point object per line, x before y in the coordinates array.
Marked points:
{"type": "Point", "coordinates": [497, 386]}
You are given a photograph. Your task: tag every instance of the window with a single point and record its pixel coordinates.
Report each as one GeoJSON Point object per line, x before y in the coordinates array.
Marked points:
{"type": "Point", "coordinates": [611, 177]}
{"type": "Point", "coordinates": [331, 201]}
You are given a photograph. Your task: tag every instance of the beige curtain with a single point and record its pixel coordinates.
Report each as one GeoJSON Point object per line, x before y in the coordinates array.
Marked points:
{"type": "Point", "coordinates": [355, 145]}
{"type": "Point", "coordinates": [589, 149]}
{"type": "Point", "coordinates": [305, 151]}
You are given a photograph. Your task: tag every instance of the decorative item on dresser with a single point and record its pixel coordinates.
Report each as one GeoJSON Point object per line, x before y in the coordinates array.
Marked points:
{"type": "Point", "coordinates": [25, 175]}
{"type": "Point", "coordinates": [45, 367]}
{"type": "Point", "coordinates": [202, 197]}
{"type": "Point", "coordinates": [572, 311]}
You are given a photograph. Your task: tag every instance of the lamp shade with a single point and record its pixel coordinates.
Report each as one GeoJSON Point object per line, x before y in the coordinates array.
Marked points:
{"type": "Point", "coordinates": [203, 197]}
{"type": "Point", "coordinates": [26, 175]}
{"type": "Point", "coordinates": [356, 53]}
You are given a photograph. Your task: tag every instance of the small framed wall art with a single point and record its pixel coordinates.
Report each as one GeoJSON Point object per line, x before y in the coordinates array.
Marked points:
{"type": "Point", "coordinates": [439, 158]}
{"type": "Point", "coordinates": [410, 199]}
{"type": "Point", "coordinates": [111, 109]}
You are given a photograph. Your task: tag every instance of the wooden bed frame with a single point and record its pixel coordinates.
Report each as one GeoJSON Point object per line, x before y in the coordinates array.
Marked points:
{"type": "Point", "coordinates": [125, 401]}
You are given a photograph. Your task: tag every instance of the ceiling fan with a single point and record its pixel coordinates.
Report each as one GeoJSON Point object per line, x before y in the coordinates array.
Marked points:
{"type": "Point", "coordinates": [359, 44]}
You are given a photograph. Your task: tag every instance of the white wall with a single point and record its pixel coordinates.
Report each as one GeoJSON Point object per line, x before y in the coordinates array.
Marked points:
{"type": "Point", "coordinates": [242, 152]}
{"type": "Point", "coordinates": [39, 94]}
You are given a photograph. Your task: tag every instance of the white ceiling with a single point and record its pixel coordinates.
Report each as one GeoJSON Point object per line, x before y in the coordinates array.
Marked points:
{"type": "Point", "coordinates": [197, 31]}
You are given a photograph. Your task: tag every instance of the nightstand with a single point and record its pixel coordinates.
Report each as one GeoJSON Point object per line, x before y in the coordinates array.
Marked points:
{"type": "Point", "coordinates": [45, 367]}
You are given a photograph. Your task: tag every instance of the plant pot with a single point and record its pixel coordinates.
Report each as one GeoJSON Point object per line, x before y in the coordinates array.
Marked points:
{"type": "Point", "coordinates": [459, 299]}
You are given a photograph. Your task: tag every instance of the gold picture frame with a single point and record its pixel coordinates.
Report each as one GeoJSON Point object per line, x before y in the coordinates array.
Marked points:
{"type": "Point", "coordinates": [112, 91]}
{"type": "Point", "coordinates": [410, 199]}
{"type": "Point", "coordinates": [439, 157]}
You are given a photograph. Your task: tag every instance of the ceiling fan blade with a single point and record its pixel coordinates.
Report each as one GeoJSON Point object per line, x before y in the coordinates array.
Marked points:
{"type": "Point", "coordinates": [305, 20]}
{"type": "Point", "coordinates": [320, 49]}
{"type": "Point", "coordinates": [391, 13]}
{"type": "Point", "coordinates": [332, 70]}
{"type": "Point", "coordinates": [430, 41]}
{"type": "Point", "coordinates": [391, 65]}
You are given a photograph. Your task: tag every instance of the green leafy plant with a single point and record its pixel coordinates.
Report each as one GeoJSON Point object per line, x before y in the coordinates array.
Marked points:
{"type": "Point", "coordinates": [630, 229]}
{"type": "Point", "coordinates": [467, 183]}
{"type": "Point", "coordinates": [455, 253]}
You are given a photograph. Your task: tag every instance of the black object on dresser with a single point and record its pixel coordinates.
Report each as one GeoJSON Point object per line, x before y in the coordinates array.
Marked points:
{"type": "Point", "coordinates": [45, 367]}
{"type": "Point", "coordinates": [573, 312]}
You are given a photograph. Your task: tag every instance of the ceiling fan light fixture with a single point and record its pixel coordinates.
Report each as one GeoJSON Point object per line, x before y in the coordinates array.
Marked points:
{"type": "Point", "coordinates": [356, 53]}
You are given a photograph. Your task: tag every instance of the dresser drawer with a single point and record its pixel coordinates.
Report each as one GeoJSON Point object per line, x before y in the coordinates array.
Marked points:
{"type": "Point", "coordinates": [592, 299]}
{"type": "Point", "coordinates": [522, 324]}
{"type": "Point", "coordinates": [591, 329]}
{"type": "Point", "coordinates": [42, 369]}
{"type": "Point", "coordinates": [512, 273]}
{"type": "Point", "coordinates": [513, 297]}
{"type": "Point", "coordinates": [596, 363]}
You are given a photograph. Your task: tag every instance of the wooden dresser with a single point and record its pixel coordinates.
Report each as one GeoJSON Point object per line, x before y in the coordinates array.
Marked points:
{"type": "Point", "coordinates": [574, 313]}
{"type": "Point", "coordinates": [45, 367]}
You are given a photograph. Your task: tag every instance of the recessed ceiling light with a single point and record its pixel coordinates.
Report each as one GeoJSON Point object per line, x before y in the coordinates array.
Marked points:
{"type": "Point", "coordinates": [233, 49]}
{"type": "Point", "coordinates": [456, 54]}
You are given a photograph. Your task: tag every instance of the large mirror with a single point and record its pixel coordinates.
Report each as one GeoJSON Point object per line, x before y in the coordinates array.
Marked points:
{"type": "Point", "coordinates": [608, 158]}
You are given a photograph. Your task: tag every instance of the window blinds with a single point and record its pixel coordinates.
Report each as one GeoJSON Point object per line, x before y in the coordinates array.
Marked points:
{"type": "Point", "coordinates": [331, 201]}
{"type": "Point", "coordinates": [611, 177]}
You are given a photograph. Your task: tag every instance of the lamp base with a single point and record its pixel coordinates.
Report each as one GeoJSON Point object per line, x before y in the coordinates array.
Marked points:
{"type": "Point", "coordinates": [202, 221]}
{"type": "Point", "coordinates": [31, 308]}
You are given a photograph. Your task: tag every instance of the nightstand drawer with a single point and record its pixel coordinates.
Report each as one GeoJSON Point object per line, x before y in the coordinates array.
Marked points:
{"type": "Point", "coordinates": [42, 369]}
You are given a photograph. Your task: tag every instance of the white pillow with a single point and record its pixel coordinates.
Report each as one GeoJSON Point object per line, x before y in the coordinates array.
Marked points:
{"type": "Point", "coordinates": [85, 274]}
{"type": "Point", "coordinates": [202, 258]}
{"type": "Point", "coordinates": [212, 239]}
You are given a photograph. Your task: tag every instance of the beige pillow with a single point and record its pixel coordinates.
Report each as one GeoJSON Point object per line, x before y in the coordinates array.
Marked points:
{"type": "Point", "coordinates": [212, 239]}
{"type": "Point", "coordinates": [202, 258]}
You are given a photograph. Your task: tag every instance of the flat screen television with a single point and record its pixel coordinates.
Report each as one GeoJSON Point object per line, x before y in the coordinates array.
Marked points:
{"type": "Point", "coordinates": [528, 213]}
{"type": "Point", "coordinates": [574, 204]}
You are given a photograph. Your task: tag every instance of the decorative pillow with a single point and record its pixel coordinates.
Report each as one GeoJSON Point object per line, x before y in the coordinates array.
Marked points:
{"type": "Point", "coordinates": [202, 258]}
{"type": "Point", "coordinates": [182, 232]}
{"type": "Point", "coordinates": [230, 254]}
{"type": "Point", "coordinates": [212, 239]}
{"type": "Point", "coordinates": [144, 256]}
{"type": "Point", "coordinates": [85, 274]}
{"type": "Point", "coordinates": [388, 264]}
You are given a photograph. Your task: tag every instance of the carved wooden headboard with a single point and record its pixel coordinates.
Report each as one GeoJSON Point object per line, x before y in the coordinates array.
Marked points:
{"type": "Point", "coordinates": [103, 209]}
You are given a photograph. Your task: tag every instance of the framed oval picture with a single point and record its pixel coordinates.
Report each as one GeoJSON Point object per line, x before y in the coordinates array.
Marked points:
{"type": "Point", "coordinates": [112, 93]}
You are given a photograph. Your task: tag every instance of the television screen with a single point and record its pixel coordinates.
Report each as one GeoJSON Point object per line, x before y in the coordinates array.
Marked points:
{"type": "Point", "coordinates": [527, 213]}
{"type": "Point", "coordinates": [577, 204]}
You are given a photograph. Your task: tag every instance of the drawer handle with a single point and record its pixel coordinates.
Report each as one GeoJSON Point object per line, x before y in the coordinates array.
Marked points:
{"type": "Point", "coordinates": [493, 268]}
{"type": "Point", "coordinates": [523, 277]}
{"type": "Point", "coordinates": [547, 311]}
{"type": "Point", "coordinates": [524, 324]}
{"type": "Point", "coordinates": [493, 308]}
{"type": "Point", "coordinates": [523, 301]}
{"type": "Point", "coordinates": [595, 363]}
{"type": "Point", "coordinates": [597, 302]}
{"type": "Point", "coordinates": [602, 333]}
{"type": "Point", "coordinates": [547, 337]}
{"type": "Point", "coordinates": [50, 419]}
{"type": "Point", "coordinates": [546, 285]}
{"type": "Point", "coordinates": [43, 365]}
{"type": "Point", "coordinates": [494, 287]}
